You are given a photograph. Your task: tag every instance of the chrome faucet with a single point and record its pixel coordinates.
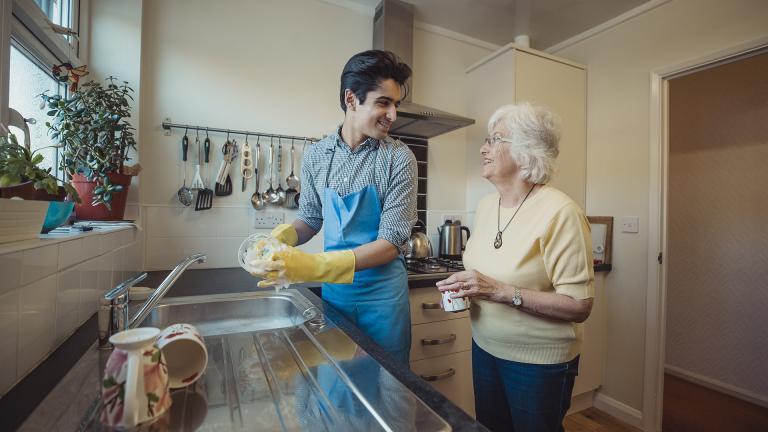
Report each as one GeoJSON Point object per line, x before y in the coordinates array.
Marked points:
{"type": "Point", "coordinates": [113, 307]}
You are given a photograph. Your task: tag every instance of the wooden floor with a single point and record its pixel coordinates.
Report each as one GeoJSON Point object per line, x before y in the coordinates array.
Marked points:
{"type": "Point", "coordinates": [691, 407]}
{"type": "Point", "coordinates": [594, 420]}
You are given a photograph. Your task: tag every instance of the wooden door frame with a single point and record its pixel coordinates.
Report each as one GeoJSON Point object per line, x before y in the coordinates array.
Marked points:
{"type": "Point", "coordinates": [655, 320]}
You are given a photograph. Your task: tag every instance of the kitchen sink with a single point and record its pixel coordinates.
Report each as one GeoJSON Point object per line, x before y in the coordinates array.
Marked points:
{"type": "Point", "coordinates": [217, 315]}
{"type": "Point", "coordinates": [275, 364]}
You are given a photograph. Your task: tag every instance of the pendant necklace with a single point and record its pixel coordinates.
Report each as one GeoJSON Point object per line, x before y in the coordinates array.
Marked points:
{"type": "Point", "coordinates": [498, 242]}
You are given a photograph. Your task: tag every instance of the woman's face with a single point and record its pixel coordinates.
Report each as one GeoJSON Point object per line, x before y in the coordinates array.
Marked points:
{"type": "Point", "coordinates": [497, 164]}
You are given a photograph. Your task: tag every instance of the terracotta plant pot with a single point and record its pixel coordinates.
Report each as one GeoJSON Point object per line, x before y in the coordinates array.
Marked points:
{"type": "Point", "coordinates": [27, 191]}
{"type": "Point", "coordinates": [86, 211]}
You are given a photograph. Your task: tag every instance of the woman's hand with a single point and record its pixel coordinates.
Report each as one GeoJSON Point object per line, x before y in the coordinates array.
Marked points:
{"type": "Point", "coordinates": [472, 283]}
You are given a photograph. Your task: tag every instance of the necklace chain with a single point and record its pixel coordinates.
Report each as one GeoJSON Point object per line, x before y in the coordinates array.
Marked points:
{"type": "Point", "coordinates": [498, 241]}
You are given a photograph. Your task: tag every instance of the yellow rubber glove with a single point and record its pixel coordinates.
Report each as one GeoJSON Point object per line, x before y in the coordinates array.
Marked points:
{"type": "Point", "coordinates": [299, 266]}
{"type": "Point", "coordinates": [286, 233]}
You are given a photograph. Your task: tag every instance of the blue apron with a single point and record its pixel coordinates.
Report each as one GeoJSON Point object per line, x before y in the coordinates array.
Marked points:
{"type": "Point", "coordinates": [377, 300]}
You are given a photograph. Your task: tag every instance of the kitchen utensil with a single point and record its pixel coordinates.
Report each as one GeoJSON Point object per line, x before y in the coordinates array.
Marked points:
{"type": "Point", "coordinates": [419, 245]}
{"type": "Point", "coordinates": [197, 181]}
{"type": "Point", "coordinates": [257, 201]}
{"type": "Point", "coordinates": [223, 180]}
{"type": "Point", "coordinates": [204, 195]}
{"type": "Point", "coordinates": [246, 164]}
{"type": "Point", "coordinates": [184, 194]}
{"type": "Point", "coordinates": [452, 242]}
{"type": "Point", "coordinates": [280, 191]}
{"type": "Point", "coordinates": [271, 194]}
{"type": "Point", "coordinates": [135, 385]}
{"type": "Point", "coordinates": [292, 181]}
{"type": "Point", "coordinates": [185, 354]}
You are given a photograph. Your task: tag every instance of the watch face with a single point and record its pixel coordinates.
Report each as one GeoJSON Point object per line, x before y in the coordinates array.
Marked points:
{"type": "Point", "coordinates": [517, 301]}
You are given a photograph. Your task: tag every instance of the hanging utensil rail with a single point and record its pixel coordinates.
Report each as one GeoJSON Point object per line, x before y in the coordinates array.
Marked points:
{"type": "Point", "coordinates": [168, 126]}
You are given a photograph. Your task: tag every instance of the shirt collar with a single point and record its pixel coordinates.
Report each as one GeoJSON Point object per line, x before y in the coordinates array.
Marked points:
{"type": "Point", "coordinates": [373, 143]}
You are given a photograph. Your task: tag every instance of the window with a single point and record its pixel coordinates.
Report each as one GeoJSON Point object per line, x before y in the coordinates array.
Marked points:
{"type": "Point", "coordinates": [27, 80]}
{"type": "Point", "coordinates": [58, 11]}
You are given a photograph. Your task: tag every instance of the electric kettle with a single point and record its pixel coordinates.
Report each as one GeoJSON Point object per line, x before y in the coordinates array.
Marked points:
{"type": "Point", "coordinates": [451, 241]}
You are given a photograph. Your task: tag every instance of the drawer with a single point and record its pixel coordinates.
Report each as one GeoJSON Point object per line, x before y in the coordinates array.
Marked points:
{"type": "Point", "coordinates": [451, 375]}
{"type": "Point", "coordinates": [425, 306]}
{"type": "Point", "coordinates": [440, 338]}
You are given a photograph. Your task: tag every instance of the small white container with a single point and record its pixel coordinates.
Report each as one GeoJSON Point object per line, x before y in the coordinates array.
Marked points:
{"type": "Point", "coordinates": [22, 219]}
{"type": "Point", "coordinates": [454, 304]}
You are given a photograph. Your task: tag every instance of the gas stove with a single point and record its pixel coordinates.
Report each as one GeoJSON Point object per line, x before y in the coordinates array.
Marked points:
{"type": "Point", "coordinates": [432, 267]}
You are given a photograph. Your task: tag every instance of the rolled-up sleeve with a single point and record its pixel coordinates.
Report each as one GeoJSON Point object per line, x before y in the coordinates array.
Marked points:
{"type": "Point", "coordinates": [310, 205]}
{"type": "Point", "coordinates": [398, 214]}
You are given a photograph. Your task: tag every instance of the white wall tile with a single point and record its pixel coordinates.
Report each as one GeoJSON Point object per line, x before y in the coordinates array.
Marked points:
{"type": "Point", "coordinates": [67, 303]}
{"type": "Point", "coordinates": [37, 323]}
{"type": "Point", "coordinates": [165, 253]}
{"type": "Point", "coordinates": [110, 241]}
{"type": "Point", "coordinates": [9, 335]}
{"type": "Point", "coordinates": [91, 246]}
{"type": "Point", "coordinates": [119, 266]}
{"type": "Point", "coordinates": [39, 263]}
{"type": "Point", "coordinates": [10, 269]}
{"type": "Point", "coordinates": [89, 290]}
{"type": "Point", "coordinates": [105, 264]}
{"type": "Point", "coordinates": [71, 253]}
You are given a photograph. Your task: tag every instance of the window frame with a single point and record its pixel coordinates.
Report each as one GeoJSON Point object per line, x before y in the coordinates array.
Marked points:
{"type": "Point", "coordinates": [24, 24]}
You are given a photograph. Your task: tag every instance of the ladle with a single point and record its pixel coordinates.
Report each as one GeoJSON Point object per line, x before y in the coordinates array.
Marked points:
{"type": "Point", "coordinates": [257, 201]}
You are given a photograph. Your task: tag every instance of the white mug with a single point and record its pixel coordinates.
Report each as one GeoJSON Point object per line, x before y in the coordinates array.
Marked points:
{"type": "Point", "coordinates": [454, 304]}
{"type": "Point", "coordinates": [185, 354]}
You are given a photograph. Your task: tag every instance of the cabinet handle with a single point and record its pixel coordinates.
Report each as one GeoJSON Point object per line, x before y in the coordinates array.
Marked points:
{"type": "Point", "coordinates": [442, 341]}
{"type": "Point", "coordinates": [439, 376]}
{"type": "Point", "coordinates": [430, 306]}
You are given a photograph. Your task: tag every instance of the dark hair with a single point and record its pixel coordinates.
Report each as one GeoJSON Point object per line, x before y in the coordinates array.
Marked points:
{"type": "Point", "coordinates": [365, 71]}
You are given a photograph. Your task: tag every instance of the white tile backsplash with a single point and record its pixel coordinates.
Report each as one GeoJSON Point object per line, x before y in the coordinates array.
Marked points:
{"type": "Point", "coordinates": [9, 335]}
{"type": "Point", "coordinates": [67, 302]}
{"type": "Point", "coordinates": [165, 253]}
{"type": "Point", "coordinates": [10, 269]}
{"type": "Point", "coordinates": [47, 292]}
{"type": "Point", "coordinates": [37, 323]}
{"type": "Point", "coordinates": [39, 263]}
{"type": "Point", "coordinates": [71, 252]}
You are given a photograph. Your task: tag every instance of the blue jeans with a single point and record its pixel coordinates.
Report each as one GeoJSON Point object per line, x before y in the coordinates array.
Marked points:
{"type": "Point", "coordinates": [521, 397]}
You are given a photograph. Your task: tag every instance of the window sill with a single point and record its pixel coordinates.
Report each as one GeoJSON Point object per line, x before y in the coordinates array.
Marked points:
{"type": "Point", "coordinates": [60, 236]}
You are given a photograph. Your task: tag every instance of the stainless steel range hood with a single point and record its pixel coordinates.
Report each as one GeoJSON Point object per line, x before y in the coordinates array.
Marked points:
{"type": "Point", "coordinates": [393, 31]}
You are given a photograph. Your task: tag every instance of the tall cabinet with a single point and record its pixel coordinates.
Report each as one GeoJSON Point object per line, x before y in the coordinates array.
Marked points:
{"type": "Point", "coordinates": [515, 74]}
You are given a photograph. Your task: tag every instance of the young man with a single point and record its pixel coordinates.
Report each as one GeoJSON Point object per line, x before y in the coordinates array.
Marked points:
{"type": "Point", "coordinates": [360, 186]}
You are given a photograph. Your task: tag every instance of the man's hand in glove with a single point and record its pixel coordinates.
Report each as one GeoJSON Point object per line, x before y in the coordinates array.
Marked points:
{"type": "Point", "coordinates": [332, 267]}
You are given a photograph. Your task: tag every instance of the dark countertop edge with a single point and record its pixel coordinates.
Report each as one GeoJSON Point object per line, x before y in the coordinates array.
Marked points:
{"type": "Point", "coordinates": [22, 399]}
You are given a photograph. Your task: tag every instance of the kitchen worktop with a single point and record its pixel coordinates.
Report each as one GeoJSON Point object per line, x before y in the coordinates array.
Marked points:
{"type": "Point", "coordinates": [67, 403]}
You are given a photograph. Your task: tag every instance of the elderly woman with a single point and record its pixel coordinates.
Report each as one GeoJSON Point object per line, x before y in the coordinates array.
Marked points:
{"type": "Point", "coordinates": [529, 275]}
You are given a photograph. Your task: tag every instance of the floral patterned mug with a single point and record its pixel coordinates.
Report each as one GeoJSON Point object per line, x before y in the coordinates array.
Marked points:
{"type": "Point", "coordinates": [185, 353]}
{"type": "Point", "coordinates": [135, 385]}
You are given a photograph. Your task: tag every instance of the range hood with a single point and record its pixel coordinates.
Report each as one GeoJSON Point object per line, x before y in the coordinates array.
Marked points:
{"type": "Point", "coordinates": [393, 31]}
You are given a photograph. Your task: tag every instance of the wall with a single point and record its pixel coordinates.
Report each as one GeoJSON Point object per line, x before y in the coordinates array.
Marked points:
{"type": "Point", "coordinates": [718, 268]}
{"type": "Point", "coordinates": [619, 62]}
{"type": "Point", "coordinates": [270, 66]}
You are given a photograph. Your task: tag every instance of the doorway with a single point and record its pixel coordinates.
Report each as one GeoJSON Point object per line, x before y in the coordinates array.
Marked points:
{"type": "Point", "coordinates": [716, 256]}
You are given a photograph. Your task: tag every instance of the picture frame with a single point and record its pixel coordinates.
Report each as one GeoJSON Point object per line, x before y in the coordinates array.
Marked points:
{"type": "Point", "coordinates": [602, 241]}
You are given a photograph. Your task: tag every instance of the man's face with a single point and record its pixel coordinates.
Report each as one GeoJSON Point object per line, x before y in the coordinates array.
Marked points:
{"type": "Point", "coordinates": [374, 117]}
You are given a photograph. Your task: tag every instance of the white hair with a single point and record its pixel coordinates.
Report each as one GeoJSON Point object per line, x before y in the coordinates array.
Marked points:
{"type": "Point", "coordinates": [535, 135]}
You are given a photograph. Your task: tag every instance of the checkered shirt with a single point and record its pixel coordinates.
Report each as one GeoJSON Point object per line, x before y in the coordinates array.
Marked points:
{"type": "Point", "coordinates": [387, 164]}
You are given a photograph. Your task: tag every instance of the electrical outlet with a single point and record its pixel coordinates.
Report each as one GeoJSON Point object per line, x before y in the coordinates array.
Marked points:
{"type": "Point", "coordinates": [630, 224]}
{"type": "Point", "coordinates": [268, 219]}
{"type": "Point", "coordinates": [450, 217]}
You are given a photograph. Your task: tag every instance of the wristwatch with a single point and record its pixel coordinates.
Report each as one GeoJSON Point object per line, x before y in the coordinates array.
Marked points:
{"type": "Point", "coordinates": [517, 300]}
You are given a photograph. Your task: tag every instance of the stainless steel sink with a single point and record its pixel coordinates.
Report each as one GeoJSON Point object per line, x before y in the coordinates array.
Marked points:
{"type": "Point", "coordinates": [235, 313]}
{"type": "Point", "coordinates": [274, 364]}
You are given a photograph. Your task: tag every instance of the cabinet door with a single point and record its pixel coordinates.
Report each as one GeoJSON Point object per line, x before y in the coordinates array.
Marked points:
{"type": "Point", "coordinates": [440, 338]}
{"type": "Point", "coordinates": [451, 375]}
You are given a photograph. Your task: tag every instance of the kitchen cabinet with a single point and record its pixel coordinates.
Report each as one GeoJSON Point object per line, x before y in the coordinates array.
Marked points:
{"type": "Point", "coordinates": [441, 344]}
{"type": "Point", "coordinates": [515, 74]}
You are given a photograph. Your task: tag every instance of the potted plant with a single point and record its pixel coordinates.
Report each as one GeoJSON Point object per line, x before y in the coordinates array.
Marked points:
{"type": "Point", "coordinates": [95, 135]}
{"type": "Point", "coordinates": [22, 176]}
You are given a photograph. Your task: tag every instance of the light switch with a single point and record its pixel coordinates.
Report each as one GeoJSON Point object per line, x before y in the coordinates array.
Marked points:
{"type": "Point", "coordinates": [630, 224]}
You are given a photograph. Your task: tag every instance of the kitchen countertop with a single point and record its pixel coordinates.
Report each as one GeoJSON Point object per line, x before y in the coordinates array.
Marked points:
{"type": "Point", "coordinates": [70, 399]}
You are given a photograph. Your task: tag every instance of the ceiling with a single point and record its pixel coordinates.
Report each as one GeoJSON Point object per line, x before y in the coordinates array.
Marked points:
{"type": "Point", "coordinates": [546, 22]}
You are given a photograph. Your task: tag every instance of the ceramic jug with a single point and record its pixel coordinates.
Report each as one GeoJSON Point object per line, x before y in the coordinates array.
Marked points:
{"type": "Point", "coordinates": [135, 384]}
